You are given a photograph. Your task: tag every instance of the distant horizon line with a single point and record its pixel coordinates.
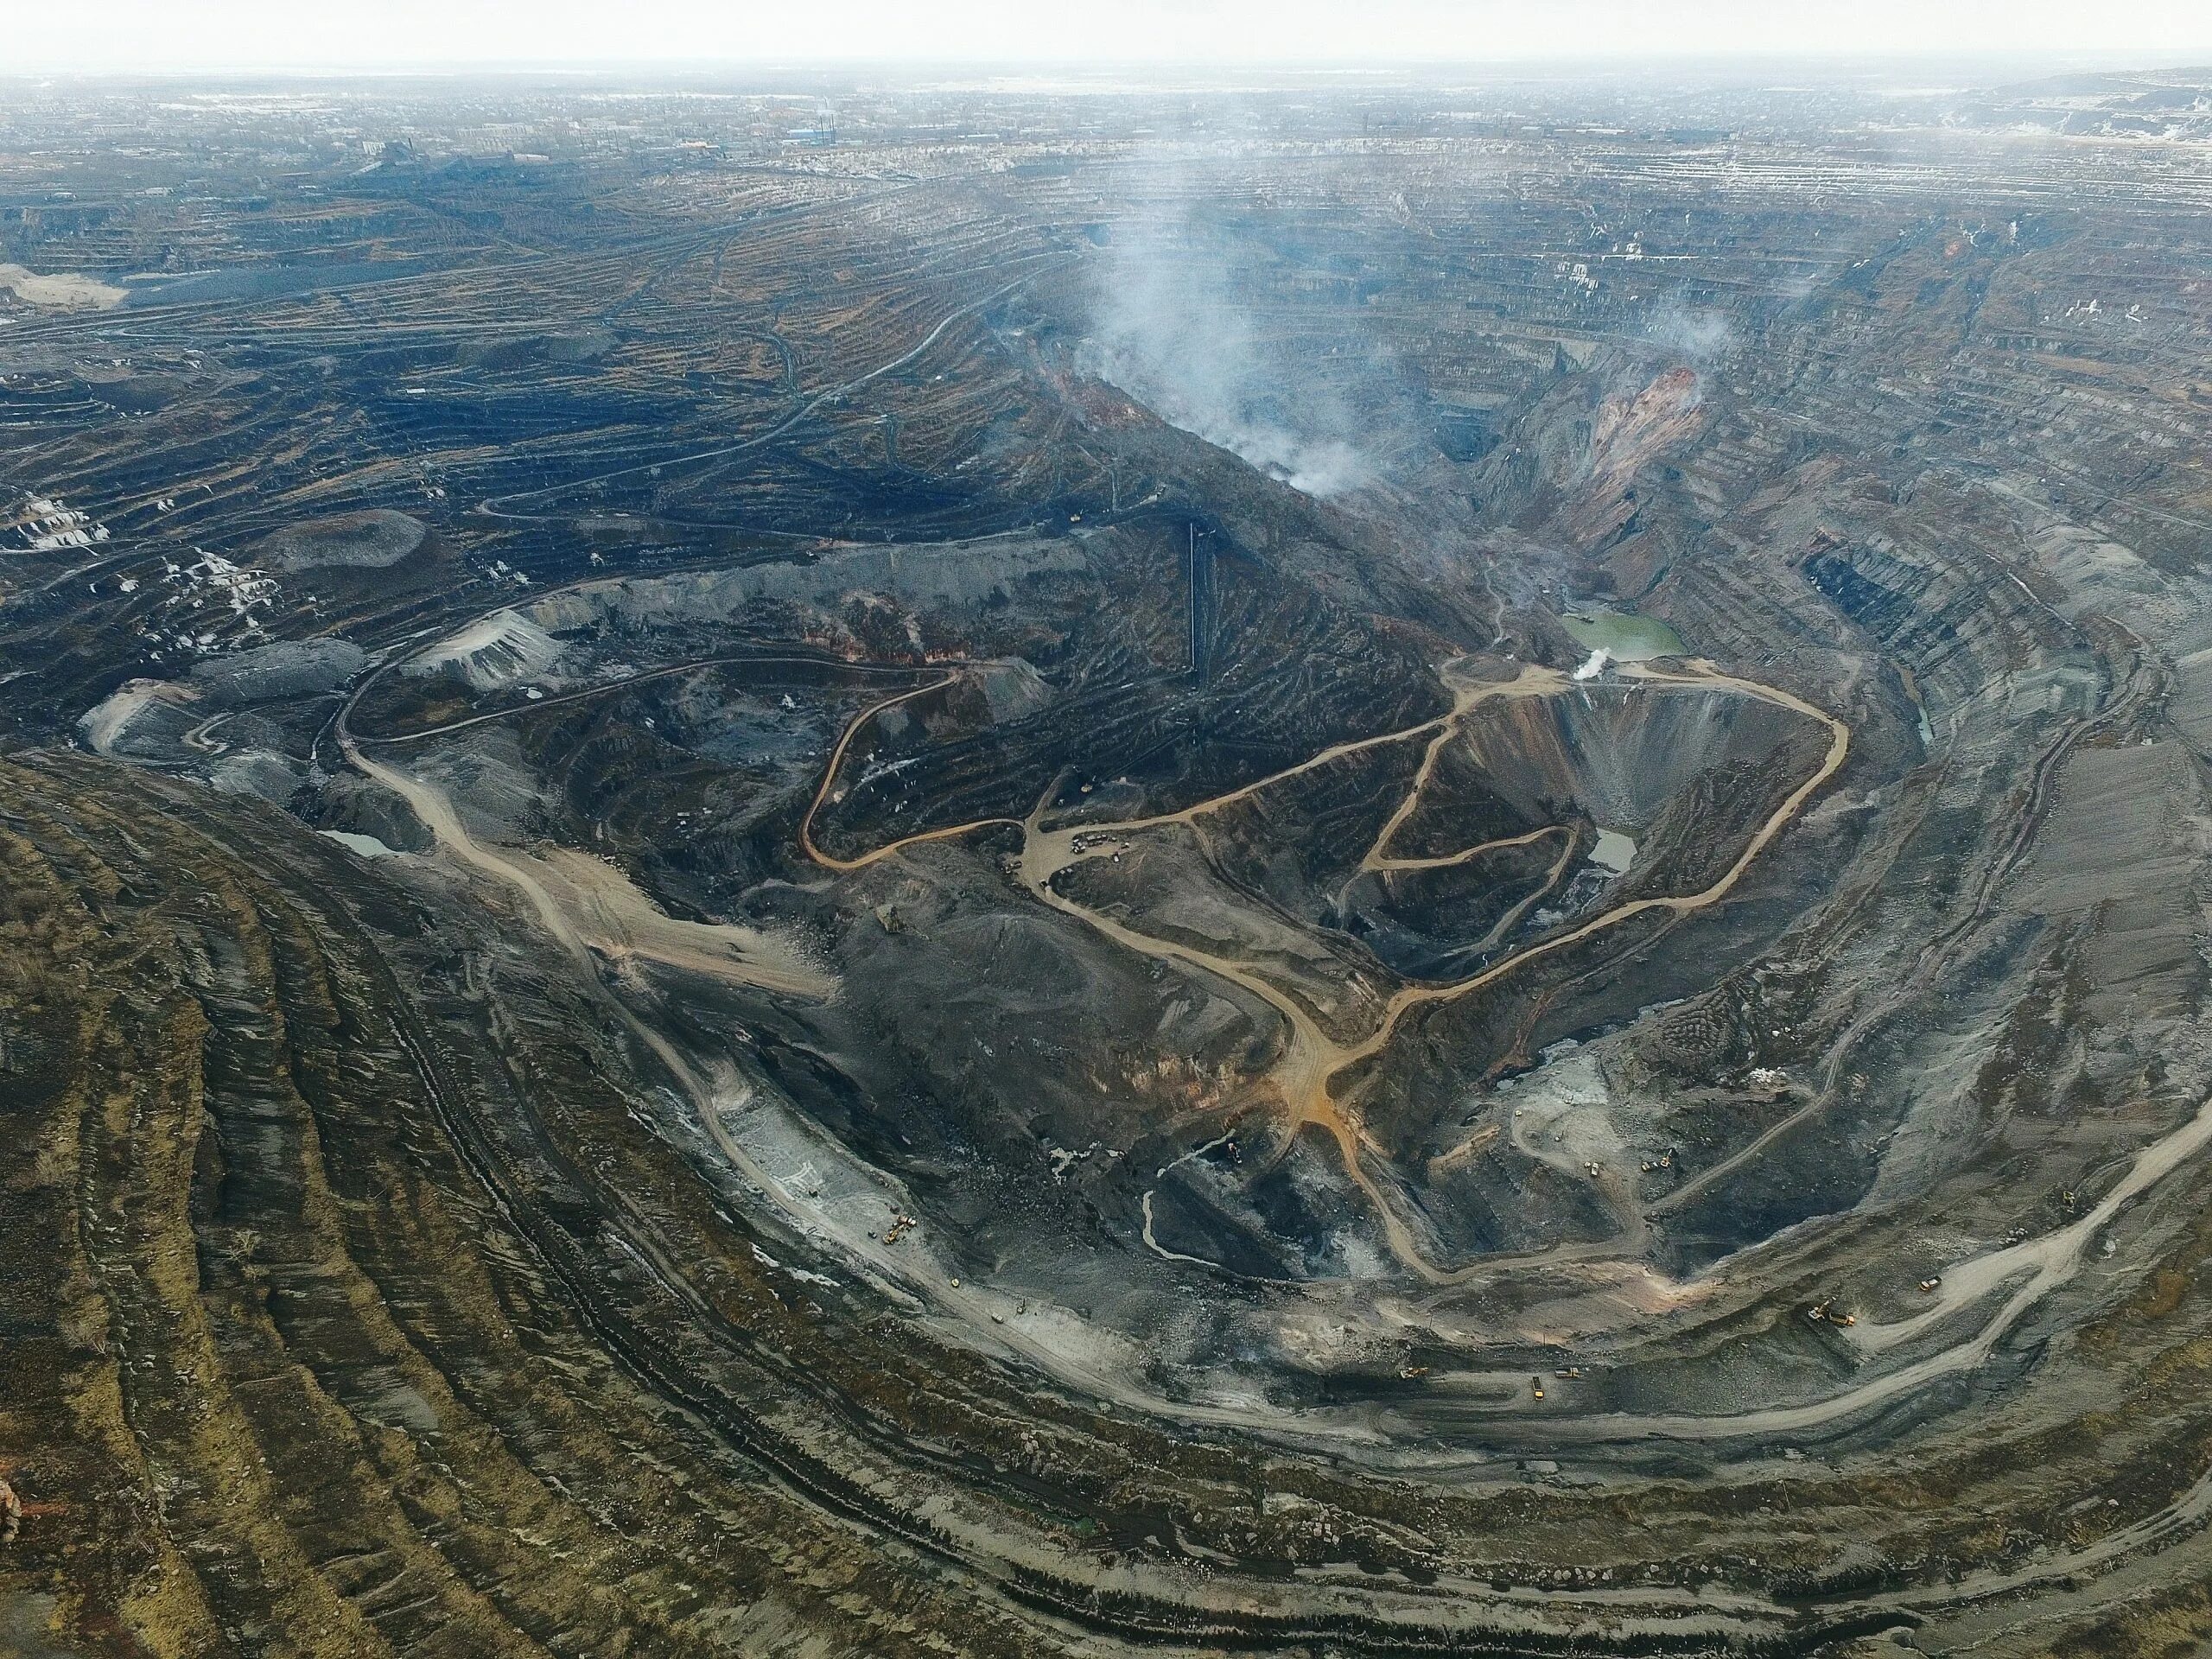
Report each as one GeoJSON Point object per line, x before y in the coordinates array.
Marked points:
{"type": "Point", "coordinates": [2103, 60]}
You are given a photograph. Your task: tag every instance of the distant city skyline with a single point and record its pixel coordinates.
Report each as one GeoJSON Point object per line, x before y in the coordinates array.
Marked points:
{"type": "Point", "coordinates": [204, 34]}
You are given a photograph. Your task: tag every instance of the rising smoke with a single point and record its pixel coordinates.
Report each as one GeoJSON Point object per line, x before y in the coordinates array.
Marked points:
{"type": "Point", "coordinates": [1700, 336]}
{"type": "Point", "coordinates": [1169, 329]}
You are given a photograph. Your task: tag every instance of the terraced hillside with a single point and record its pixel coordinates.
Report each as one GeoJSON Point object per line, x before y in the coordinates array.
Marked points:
{"type": "Point", "coordinates": [1430, 878]}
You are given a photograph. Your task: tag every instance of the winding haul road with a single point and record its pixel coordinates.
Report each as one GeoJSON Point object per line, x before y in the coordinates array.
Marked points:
{"type": "Point", "coordinates": [1306, 1074]}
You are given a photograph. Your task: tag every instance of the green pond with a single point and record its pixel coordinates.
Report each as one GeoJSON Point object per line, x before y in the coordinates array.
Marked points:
{"type": "Point", "coordinates": [1622, 635]}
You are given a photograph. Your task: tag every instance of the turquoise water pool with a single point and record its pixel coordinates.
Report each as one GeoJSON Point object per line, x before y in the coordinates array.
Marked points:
{"type": "Point", "coordinates": [1623, 635]}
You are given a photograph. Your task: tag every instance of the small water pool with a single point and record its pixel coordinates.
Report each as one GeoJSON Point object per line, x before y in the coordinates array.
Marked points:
{"type": "Point", "coordinates": [367, 846]}
{"type": "Point", "coordinates": [1614, 852]}
{"type": "Point", "coordinates": [1624, 636]}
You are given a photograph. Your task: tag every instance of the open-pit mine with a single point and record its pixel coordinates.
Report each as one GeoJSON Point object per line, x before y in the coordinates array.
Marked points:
{"type": "Point", "coordinates": [1410, 866]}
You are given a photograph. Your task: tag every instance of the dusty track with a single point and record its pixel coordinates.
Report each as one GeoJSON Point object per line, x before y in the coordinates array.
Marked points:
{"type": "Point", "coordinates": [592, 910]}
{"type": "Point", "coordinates": [497, 507]}
{"type": "Point", "coordinates": [567, 698]}
{"type": "Point", "coordinates": [1307, 1073]}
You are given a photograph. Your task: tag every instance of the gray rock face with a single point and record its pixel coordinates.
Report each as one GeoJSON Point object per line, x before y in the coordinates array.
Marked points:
{"type": "Point", "coordinates": [361, 541]}
{"type": "Point", "coordinates": [289, 669]}
{"type": "Point", "coordinates": [352, 804]}
{"type": "Point", "coordinates": [273, 777]}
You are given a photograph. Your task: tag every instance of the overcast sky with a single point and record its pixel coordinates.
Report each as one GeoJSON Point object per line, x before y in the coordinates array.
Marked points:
{"type": "Point", "coordinates": [45, 35]}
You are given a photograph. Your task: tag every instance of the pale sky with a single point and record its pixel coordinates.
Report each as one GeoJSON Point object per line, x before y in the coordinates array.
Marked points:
{"type": "Point", "coordinates": [41, 35]}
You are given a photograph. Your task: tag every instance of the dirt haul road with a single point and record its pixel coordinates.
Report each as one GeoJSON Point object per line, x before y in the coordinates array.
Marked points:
{"type": "Point", "coordinates": [1305, 1073]}
{"type": "Point", "coordinates": [589, 907]}
{"type": "Point", "coordinates": [588, 917]}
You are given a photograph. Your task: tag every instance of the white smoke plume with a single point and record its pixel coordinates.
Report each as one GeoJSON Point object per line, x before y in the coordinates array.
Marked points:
{"type": "Point", "coordinates": [1700, 336]}
{"type": "Point", "coordinates": [1168, 328]}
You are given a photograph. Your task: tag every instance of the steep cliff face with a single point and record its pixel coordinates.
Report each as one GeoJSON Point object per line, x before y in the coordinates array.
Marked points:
{"type": "Point", "coordinates": [1617, 752]}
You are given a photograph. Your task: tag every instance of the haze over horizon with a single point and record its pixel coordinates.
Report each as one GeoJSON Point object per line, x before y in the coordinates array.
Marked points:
{"type": "Point", "coordinates": [139, 36]}
{"type": "Point", "coordinates": [1323, 828]}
